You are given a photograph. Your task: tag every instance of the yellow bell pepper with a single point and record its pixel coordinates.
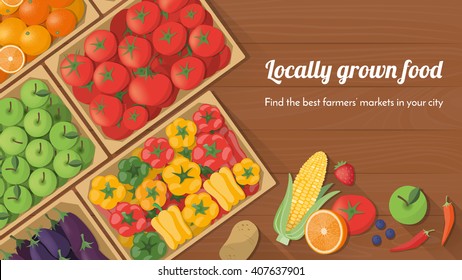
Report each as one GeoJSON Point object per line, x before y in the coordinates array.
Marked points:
{"type": "Point", "coordinates": [171, 226]}
{"type": "Point", "coordinates": [106, 191]}
{"type": "Point", "coordinates": [247, 172]}
{"type": "Point", "coordinates": [130, 194]}
{"type": "Point", "coordinates": [182, 176]}
{"type": "Point", "coordinates": [223, 187]}
{"type": "Point", "coordinates": [137, 152]}
{"type": "Point", "coordinates": [151, 194]}
{"type": "Point", "coordinates": [181, 133]}
{"type": "Point", "coordinates": [126, 242]}
{"type": "Point", "coordinates": [199, 210]}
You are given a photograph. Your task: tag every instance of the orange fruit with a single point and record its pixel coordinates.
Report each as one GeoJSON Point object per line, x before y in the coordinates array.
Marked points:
{"type": "Point", "coordinates": [326, 232]}
{"type": "Point", "coordinates": [30, 58]}
{"type": "Point", "coordinates": [3, 76]}
{"type": "Point", "coordinates": [78, 8]}
{"type": "Point", "coordinates": [12, 3]}
{"type": "Point", "coordinates": [34, 12]}
{"type": "Point", "coordinates": [6, 10]}
{"type": "Point", "coordinates": [15, 14]}
{"type": "Point", "coordinates": [59, 3]}
{"type": "Point", "coordinates": [12, 59]}
{"type": "Point", "coordinates": [35, 40]}
{"type": "Point", "coordinates": [61, 22]}
{"type": "Point", "coordinates": [10, 30]}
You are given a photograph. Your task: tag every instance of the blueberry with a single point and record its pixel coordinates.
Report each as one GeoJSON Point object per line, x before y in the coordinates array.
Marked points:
{"type": "Point", "coordinates": [380, 224]}
{"type": "Point", "coordinates": [376, 240]}
{"type": "Point", "coordinates": [390, 233]}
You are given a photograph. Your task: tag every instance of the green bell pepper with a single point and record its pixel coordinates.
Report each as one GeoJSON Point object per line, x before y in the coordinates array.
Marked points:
{"type": "Point", "coordinates": [132, 171]}
{"type": "Point", "coordinates": [148, 246]}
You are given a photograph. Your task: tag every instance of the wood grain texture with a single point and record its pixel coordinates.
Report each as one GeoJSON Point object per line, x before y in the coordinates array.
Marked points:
{"type": "Point", "coordinates": [334, 21]}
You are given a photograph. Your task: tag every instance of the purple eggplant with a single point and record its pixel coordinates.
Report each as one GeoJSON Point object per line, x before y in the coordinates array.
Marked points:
{"type": "Point", "coordinates": [11, 257]}
{"type": "Point", "coordinates": [83, 242]}
{"type": "Point", "coordinates": [22, 247]}
{"type": "Point", "coordinates": [39, 252]}
{"type": "Point", "coordinates": [54, 242]}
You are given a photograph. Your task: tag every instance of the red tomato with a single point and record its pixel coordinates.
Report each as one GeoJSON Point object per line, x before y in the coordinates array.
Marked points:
{"type": "Point", "coordinates": [188, 73]}
{"type": "Point", "coordinates": [171, 99]}
{"type": "Point", "coordinates": [225, 57]}
{"type": "Point", "coordinates": [208, 19]}
{"type": "Point", "coordinates": [151, 90]}
{"type": "Point", "coordinates": [169, 38]}
{"type": "Point", "coordinates": [85, 94]}
{"type": "Point", "coordinates": [359, 212]}
{"type": "Point", "coordinates": [171, 6]}
{"type": "Point", "coordinates": [206, 41]}
{"type": "Point", "coordinates": [135, 52]}
{"type": "Point", "coordinates": [143, 17]}
{"type": "Point", "coordinates": [106, 110]}
{"type": "Point", "coordinates": [76, 70]}
{"type": "Point", "coordinates": [117, 132]}
{"type": "Point", "coordinates": [111, 77]}
{"type": "Point", "coordinates": [169, 17]}
{"type": "Point", "coordinates": [153, 111]}
{"type": "Point", "coordinates": [192, 15]}
{"type": "Point", "coordinates": [160, 66]}
{"type": "Point", "coordinates": [100, 45]}
{"type": "Point", "coordinates": [211, 64]}
{"type": "Point", "coordinates": [135, 117]}
{"type": "Point", "coordinates": [119, 25]}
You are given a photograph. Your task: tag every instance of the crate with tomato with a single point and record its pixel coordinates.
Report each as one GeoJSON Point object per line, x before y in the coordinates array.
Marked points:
{"type": "Point", "coordinates": [141, 62]}
{"type": "Point", "coordinates": [31, 28]}
{"type": "Point", "coordinates": [177, 184]}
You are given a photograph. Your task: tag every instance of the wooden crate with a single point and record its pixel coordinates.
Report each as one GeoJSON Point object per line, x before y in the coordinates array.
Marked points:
{"type": "Point", "coordinates": [100, 155]}
{"type": "Point", "coordinates": [91, 16]}
{"type": "Point", "coordinates": [112, 145]}
{"type": "Point", "coordinates": [67, 203]}
{"type": "Point", "coordinates": [105, 6]}
{"type": "Point", "coordinates": [266, 181]}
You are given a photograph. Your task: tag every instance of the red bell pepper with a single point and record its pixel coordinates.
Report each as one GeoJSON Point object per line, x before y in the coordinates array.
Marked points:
{"type": "Point", "coordinates": [230, 136]}
{"type": "Point", "coordinates": [208, 118]}
{"type": "Point", "coordinates": [212, 151]}
{"type": "Point", "coordinates": [250, 190]}
{"type": "Point", "coordinates": [128, 219]}
{"type": "Point", "coordinates": [157, 152]}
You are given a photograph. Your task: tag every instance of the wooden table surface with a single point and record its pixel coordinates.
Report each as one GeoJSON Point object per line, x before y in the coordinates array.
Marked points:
{"type": "Point", "coordinates": [389, 147]}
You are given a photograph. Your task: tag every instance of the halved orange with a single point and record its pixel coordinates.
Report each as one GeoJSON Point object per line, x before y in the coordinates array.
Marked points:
{"type": "Point", "coordinates": [12, 59]}
{"type": "Point", "coordinates": [12, 3]}
{"type": "Point", "coordinates": [326, 232]}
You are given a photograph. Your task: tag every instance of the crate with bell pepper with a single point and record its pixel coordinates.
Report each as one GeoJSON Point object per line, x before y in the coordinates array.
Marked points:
{"type": "Point", "coordinates": [177, 184]}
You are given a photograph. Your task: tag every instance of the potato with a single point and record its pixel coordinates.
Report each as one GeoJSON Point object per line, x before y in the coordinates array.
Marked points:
{"type": "Point", "coordinates": [241, 242]}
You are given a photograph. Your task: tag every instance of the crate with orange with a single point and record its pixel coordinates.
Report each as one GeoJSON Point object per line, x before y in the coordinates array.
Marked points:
{"type": "Point", "coordinates": [30, 28]}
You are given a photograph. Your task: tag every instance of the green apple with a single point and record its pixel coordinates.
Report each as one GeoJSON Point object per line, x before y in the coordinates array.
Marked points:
{"type": "Point", "coordinates": [2, 186]}
{"type": "Point", "coordinates": [53, 100]}
{"type": "Point", "coordinates": [15, 170]}
{"type": "Point", "coordinates": [60, 113]}
{"type": "Point", "coordinates": [13, 140]}
{"type": "Point", "coordinates": [34, 93]}
{"type": "Point", "coordinates": [67, 164]}
{"type": "Point", "coordinates": [12, 111]}
{"type": "Point", "coordinates": [86, 149]}
{"type": "Point", "coordinates": [2, 154]}
{"type": "Point", "coordinates": [39, 153]}
{"type": "Point", "coordinates": [4, 216]}
{"type": "Point", "coordinates": [64, 135]}
{"type": "Point", "coordinates": [408, 205]}
{"type": "Point", "coordinates": [17, 199]}
{"type": "Point", "coordinates": [38, 122]}
{"type": "Point", "coordinates": [62, 181]}
{"type": "Point", "coordinates": [43, 182]}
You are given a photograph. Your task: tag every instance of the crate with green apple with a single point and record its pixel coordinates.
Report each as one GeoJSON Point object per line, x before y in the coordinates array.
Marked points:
{"type": "Point", "coordinates": [44, 147]}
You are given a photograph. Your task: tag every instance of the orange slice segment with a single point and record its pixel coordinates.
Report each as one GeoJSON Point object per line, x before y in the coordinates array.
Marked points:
{"type": "Point", "coordinates": [12, 59]}
{"type": "Point", "coordinates": [326, 232]}
{"type": "Point", "coordinates": [12, 3]}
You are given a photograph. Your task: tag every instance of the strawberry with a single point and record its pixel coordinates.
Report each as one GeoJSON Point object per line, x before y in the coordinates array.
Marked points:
{"type": "Point", "coordinates": [345, 173]}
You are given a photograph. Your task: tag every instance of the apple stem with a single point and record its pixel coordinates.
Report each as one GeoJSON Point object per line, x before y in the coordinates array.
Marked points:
{"type": "Point", "coordinates": [64, 130]}
{"type": "Point", "coordinates": [10, 169]}
{"type": "Point", "coordinates": [405, 201]}
{"type": "Point", "coordinates": [68, 158]}
{"type": "Point", "coordinates": [35, 88]}
{"type": "Point", "coordinates": [40, 148]}
{"type": "Point", "coordinates": [11, 107]}
{"type": "Point", "coordinates": [38, 119]}
{"type": "Point", "coordinates": [43, 177]}
{"type": "Point", "coordinates": [16, 141]}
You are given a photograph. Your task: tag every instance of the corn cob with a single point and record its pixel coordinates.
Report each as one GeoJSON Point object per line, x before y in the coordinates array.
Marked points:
{"type": "Point", "coordinates": [306, 188]}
